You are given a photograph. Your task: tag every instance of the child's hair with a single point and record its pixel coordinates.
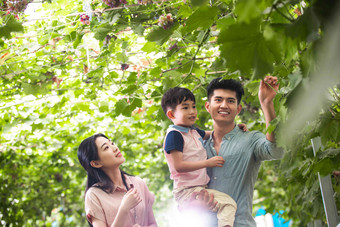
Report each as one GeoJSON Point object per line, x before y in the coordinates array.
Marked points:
{"type": "Point", "coordinates": [227, 84]}
{"type": "Point", "coordinates": [175, 96]}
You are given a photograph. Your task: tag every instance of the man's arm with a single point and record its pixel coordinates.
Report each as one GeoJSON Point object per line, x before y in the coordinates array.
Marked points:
{"type": "Point", "coordinates": [267, 92]}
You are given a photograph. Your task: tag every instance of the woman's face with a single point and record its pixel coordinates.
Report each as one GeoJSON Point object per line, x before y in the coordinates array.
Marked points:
{"type": "Point", "coordinates": [109, 154]}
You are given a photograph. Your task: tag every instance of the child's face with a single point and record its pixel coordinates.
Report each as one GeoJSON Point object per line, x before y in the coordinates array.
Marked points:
{"type": "Point", "coordinates": [185, 114]}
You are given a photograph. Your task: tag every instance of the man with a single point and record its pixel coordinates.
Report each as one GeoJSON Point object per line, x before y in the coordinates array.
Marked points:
{"type": "Point", "coordinates": [243, 152]}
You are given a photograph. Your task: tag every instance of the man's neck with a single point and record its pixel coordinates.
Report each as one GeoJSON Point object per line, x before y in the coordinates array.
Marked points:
{"type": "Point", "coordinates": [221, 129]}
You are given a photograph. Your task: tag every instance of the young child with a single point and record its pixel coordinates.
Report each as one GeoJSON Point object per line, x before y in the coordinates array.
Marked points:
{"type": "Point", "coordinates": [186, 156]}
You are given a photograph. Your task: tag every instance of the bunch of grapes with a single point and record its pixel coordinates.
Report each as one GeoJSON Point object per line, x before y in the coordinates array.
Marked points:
{"type": "Point", "coordinates": [114, 3]}
{"type": "Point", "coordinates": [124, 66]}
{"type": "Point", "coordinates": [144, 2]}
{"type": "Point", "coordinates": [85, 19]}
{"type": "Point", "coordinates": [16, 6]}
{"type": "Point", "coordinates": [165, 21]}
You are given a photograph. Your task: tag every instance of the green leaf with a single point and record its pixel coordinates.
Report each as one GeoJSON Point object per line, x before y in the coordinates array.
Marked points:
{"type": "Point", "coordinates": [138, 29]}
{"type": "Point", "coordinates": [225, 22]}
{"type": "Point", "coordinates": [104, 107]}
{"type": "Point", "coordinates": [122, 58]}
{"type": "Point", "coordinates": [114, 18]}
{"type": "Point", "coordinates": [244, 47]}
{"type": "Point", "coordinates": [202, 18]}
{"type": "Point", "coordinates": [81, 106]}
{"type": "Point", "coordinates": [252, 87]}
{"type": "Point", "coordinates": [149, 47]}
{"type": "Point", "coordinates": [161, 35]}
{"type": "Point", "coordinates": [184, 12]}
{"type": "Point", "coordinates": [328, 129]}
{"type": "Point", "coordinates": [197, 3]}
{"type": "Point", "coordinates": [78, 39]}
{"type": "Point", "coordinates": [10, 25]}
{"type": "Point", "coordinates": [129, 90]}
{"type": "Point", "coordinates": [102, 30]}
{"type": "Point", "coordinates": [96, 72]}
{"type": "Point", "coordinates": [120, 106]}
{"type": "Point", "coordinates": [305, 27]}
{"type": "Point", "coordinates": [247, 10]}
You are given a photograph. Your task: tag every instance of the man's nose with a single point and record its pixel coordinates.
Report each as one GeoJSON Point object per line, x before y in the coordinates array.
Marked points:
{"type": "Point", "coordinates": [224, 103]}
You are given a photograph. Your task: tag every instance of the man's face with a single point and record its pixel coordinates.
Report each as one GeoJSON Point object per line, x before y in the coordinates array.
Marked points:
{"type": "Point", "coordinates": [223, 106]}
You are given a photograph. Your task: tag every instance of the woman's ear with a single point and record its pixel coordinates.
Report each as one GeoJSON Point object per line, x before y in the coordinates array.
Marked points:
{"type": "Point", "coordinates": [170, 114]}
{"type": "Point", "coordinates": [95, 164]}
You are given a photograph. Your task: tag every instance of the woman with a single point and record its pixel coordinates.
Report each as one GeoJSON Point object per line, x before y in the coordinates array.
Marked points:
{"type": "Point", "coordinates": [112, 197]}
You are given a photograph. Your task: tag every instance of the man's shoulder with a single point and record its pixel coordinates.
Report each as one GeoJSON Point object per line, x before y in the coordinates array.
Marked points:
{"type": "Point", "coordinates": [252, 134]}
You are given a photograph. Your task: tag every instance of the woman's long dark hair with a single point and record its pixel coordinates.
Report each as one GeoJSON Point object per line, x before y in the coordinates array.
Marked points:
{"type": "Point", "coordinates": [88, 152]}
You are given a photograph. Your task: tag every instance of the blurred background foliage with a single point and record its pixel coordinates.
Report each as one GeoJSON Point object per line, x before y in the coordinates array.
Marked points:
{"type": "Point", "coordinates": [69, 69]}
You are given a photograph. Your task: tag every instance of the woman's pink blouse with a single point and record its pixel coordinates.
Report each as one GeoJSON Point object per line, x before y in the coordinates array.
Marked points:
{"type": "Point", "coordinates": [104, 206]}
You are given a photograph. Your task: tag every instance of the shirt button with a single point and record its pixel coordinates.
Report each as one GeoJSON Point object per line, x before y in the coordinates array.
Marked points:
{"type": "Point", "coordinates": [228, 138]}
{"type": "Point", "coordinates": [215, 178]}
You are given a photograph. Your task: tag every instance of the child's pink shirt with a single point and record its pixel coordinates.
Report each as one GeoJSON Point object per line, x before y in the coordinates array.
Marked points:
{"type": "Point", "coordinates": [104, 206]}
{"type": "Point", "coordinates": [193, 150]}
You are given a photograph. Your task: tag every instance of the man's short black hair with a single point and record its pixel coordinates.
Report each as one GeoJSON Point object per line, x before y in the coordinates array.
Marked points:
{"type": "Point", "coordinates": [175, 96]}
{"type": "Point", "coordinates": [226, 84]}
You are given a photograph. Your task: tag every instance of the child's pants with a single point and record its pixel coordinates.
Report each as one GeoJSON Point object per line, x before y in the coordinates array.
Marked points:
{"type": "Point", "coordinates": [225, 208]}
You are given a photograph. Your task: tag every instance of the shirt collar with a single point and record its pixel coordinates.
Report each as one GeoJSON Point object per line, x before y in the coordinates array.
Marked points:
{"type": "Point", "coordinates": [229, 135]}
{"type": "Point", "coordinates": [232, 133]}
{"type": "Point", "coordinates": [128, 182]}
{"type": "Point", "coordinates": [181, 128]}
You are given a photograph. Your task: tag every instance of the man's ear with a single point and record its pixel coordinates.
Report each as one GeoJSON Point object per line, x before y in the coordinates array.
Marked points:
{"type": "Point", "coordinates": [207, 105]}
{"type": "Point", "coordinates": [95, 164]}
{"type": "Point", "coordinates": [170, 114]}
{"type": "Point", "coordinates": [239, 108]}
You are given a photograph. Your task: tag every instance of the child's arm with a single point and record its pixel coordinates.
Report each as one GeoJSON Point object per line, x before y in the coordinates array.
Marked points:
{"type": "Point", "coordinates": [188, 166]}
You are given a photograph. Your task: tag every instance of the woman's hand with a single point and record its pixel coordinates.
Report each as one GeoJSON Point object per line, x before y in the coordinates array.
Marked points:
{"type": "Point", "coordinates": [130, 200]}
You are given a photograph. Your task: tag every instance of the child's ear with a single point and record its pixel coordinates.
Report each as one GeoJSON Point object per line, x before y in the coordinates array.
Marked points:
{"type": "Point", "coordinates": [95, 164]}
{"type": "Point", "coordinates": [170, 114]}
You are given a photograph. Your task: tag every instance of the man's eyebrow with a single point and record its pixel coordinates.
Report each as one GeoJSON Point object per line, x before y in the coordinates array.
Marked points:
{"type": "Point", "coordinates": [220, 97]}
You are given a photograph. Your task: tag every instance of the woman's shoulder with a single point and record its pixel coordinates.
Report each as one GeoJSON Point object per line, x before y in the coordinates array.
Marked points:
{"type": "Point", "coordinates": [94, 191]}
{"type": "Point", "coordinates": [136, 180]}
{"type": "Point", "coordinates": [133, 178]}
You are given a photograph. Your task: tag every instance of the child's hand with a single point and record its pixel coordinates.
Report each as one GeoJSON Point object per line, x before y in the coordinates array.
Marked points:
{"type": "Point", "coordinates": [130, 200]}
{"type": "Point", "coordinates": [243, 127]}
{"type": "Point", "coordinates": [216, 161]}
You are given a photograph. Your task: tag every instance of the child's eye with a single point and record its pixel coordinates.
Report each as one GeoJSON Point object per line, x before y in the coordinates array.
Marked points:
{"type": "Point", "coordinates": [194, 107]}
{"type": "Point", "coordinates": [106, 147]}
